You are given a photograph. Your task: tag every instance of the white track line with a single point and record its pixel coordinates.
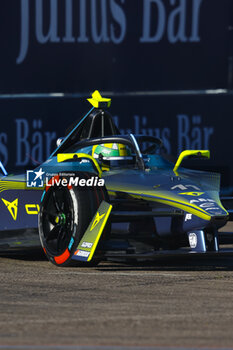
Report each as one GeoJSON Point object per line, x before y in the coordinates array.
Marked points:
{"type": "Point", "coordinates": [116, 273]}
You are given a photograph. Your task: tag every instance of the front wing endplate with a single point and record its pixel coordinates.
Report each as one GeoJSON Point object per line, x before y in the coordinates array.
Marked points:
{"type": "Point", "coordinates": [91, 237]}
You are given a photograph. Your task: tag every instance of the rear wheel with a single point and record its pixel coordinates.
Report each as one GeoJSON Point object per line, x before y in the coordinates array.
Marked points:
{"type": "Point", "coordinates": [65, 214]}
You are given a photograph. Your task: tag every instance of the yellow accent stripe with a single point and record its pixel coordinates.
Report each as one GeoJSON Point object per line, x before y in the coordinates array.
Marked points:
{"type": "Point", "coordinates": [16, 185]}
{"type": "Point", "coordinates": [93, 150]}
{"type": "Point", "coordinates": [61, 157]}
{"type": "Point", "coordinates": [122, 151]}
{"type": "Point", "coordinates": [99, 233]}
{"type": "Point", "coordinates": [184, 207]}
{"type": "Point", "coordinates": [193, 194]}
{"type": "Point", "coordinates": [191, 208]}
{"type": "Point", "coordinates": [112, 193]}
{"type": "Point", "coordinates": [157, 197]}
{"type": "Point", "coordinates": [178, 201]}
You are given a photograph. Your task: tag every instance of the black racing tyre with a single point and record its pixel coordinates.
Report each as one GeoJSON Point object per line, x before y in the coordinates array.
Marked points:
{"type": "Point", "coordinates": [65, 214]}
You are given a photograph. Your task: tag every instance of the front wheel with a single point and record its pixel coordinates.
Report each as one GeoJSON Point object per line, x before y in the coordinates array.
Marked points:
{"type": "Point", "coordinates": [63, 219]}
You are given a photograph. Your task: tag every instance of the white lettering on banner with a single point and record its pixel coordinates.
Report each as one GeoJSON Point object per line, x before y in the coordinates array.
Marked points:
{"type": "Point", "coordinates": [52, 34]}
{"type": "Point", "coordinates": [103, 35]}
{"type": "Point", "coordinates": [154, 31]}
{"type": "Point", "coordinates": [24, 37]}
{"type": "Point", "coordinates": [22, 145]}
{"type": "Point", "coordinates": [195, 22]}
{"type": "Point", "coordinates": [179, 14]}
{"type": "Point", "coordinates": [83, 26]}
{"type": "Point", "coordinates": [101, 31]}
{"type": "Point", "coordinates": [147, 37]}
{"type": "Point", "coordinates": [191, 133]}
{"type": "Point", "coordinates": [105, 21]}
{"type": "Point", "coordinates": [120, 18]}
{"type": "Point", "coordinates": [34, 146]}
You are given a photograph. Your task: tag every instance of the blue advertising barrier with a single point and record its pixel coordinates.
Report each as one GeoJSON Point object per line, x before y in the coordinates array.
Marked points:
{"type": "Point", "coordinates": [115, 45]}
{"type": "Point", "coordinates": [30, 125]}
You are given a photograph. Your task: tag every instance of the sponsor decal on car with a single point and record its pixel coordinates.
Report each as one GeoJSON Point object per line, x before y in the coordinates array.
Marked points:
{"type": "Point", "coordinates": [12, 207]}
{"type": "Point", "coordinates": [97, 219]}
{"type": "Point", "coordinates": [71, 243]}
{"type": "Point", "coordinates": [205, 203]}
{"type": "Point", "coordinates": [193, 240]}
{"type": "Point", "coordinates": [87, 245]}
{"type": "Point", "coordinates": [188, 217]}
{"type": "Point", "coordinates": [185, 187]}
{"type": "Point", "coordinates": [194, 194]}
{"type": "Point", "coordinates": [82, 253]}
{"type": "Point", "coordinates": [32, 209]}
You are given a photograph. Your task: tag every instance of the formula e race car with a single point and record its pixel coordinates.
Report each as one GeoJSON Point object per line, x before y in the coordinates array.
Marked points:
{"type": "Point", "coordinates": [102, 195]}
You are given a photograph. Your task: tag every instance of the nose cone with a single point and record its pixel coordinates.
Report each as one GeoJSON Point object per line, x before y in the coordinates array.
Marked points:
{"type": "Point", "coordinates": [206, 202]}
{"type": "Point", "coordinates": [188, 192]}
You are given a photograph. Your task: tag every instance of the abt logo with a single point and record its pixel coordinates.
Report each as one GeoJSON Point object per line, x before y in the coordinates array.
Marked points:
{"type": "Point", "coordinates": [35, 178]}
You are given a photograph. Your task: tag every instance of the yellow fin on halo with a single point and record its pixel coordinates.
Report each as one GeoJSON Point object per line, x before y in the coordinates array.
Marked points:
{"type": "Point", "coordinates": [97, 101]}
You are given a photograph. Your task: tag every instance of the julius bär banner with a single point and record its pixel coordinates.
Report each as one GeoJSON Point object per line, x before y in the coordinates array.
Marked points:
{"type": "Point", "coordinates": [182, 122]}
{"type": "Point", "coordinates": [115, 45]}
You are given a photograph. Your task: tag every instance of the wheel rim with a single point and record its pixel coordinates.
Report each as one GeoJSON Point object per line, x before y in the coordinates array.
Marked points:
{"type": "Point", "coordinates": [57, 219]}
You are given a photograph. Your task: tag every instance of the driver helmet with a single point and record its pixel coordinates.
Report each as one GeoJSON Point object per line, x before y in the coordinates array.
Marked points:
{"type": "Point", "coordinates": [112, 152]}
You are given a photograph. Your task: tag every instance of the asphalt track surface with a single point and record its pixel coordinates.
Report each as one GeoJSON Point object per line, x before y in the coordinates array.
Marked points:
{"type": "Point", "coordinates": [168, 304]}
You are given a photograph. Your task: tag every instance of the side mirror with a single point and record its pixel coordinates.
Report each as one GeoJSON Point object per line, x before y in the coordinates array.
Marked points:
{"type": "Point", "coordinates": [59, 141]}
{"type": "Point", "coordinates": [191, 154]}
